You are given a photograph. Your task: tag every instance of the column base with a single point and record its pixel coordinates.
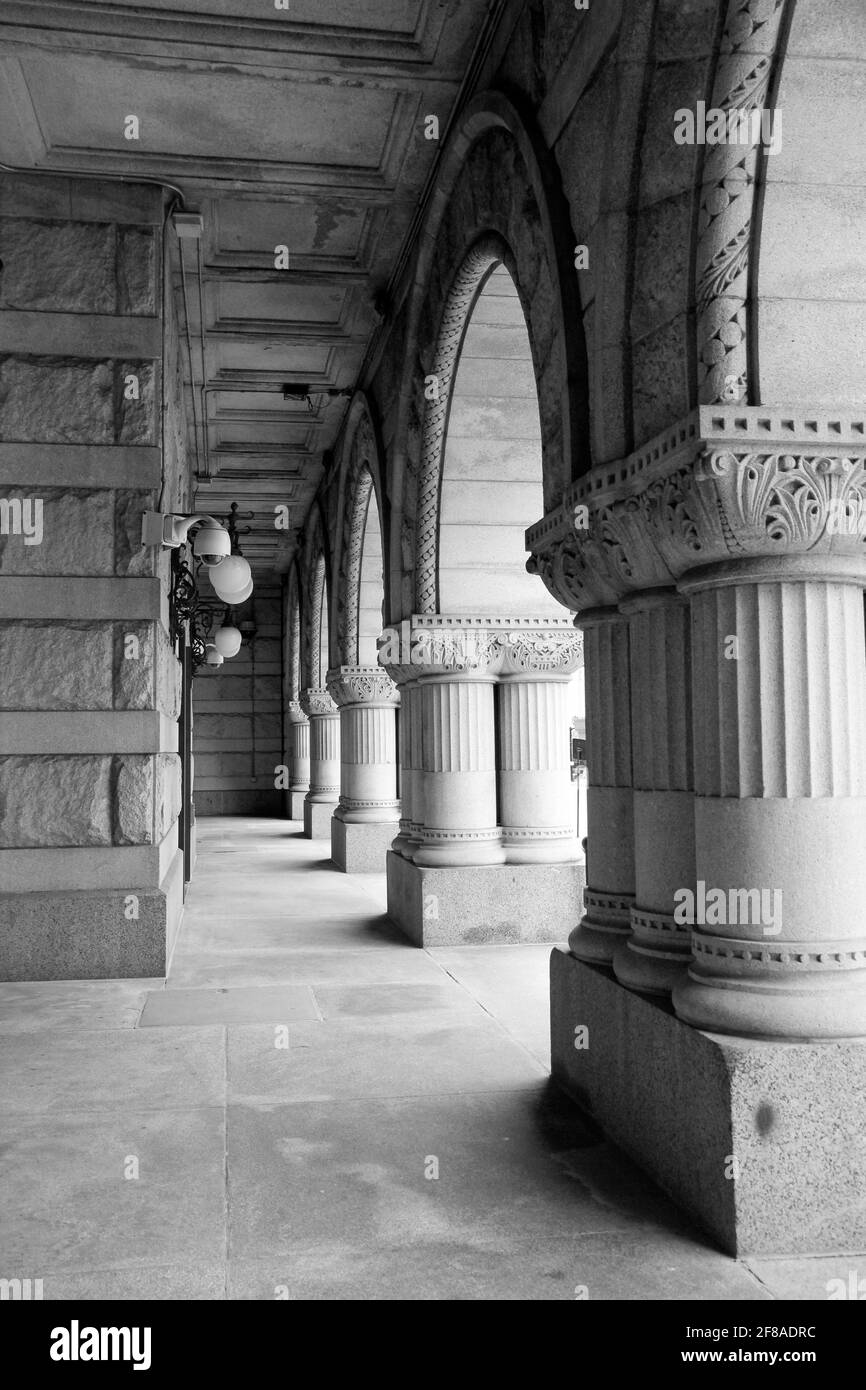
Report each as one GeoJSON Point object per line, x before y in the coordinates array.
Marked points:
{"type": "Point", "coordinates": [761, 1142]}
{"type": "Point", "coordinates": [486, 904]}
{"type": "Point", "coordinates": [534, 847]}
{"type": "Point", "coordinates": [360, 848]}
{"type": "Point", "coordinates": [83, 935]}
{"type": "Point", "coordinates": [317, 819]}
{"type": "Point", "coordinates": [295, 804]}
{"type": "Point", "coordinates": [605, 927]}
{"type": "Point", "coordinates": [656, 956]}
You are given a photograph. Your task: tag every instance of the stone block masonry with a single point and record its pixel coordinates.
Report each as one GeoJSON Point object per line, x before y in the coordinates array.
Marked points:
{"type": "Point", "coordinates": [90, 772]}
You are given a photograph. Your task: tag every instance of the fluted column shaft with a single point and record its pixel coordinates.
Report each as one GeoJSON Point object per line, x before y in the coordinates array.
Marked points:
{"type": "Point", "coordinates": [324, 720]}
{"type": "Point", "coordinates": [299, 748]}
{"type": "Point", "coordinates": [779, 691]}
{"type": "Point", "coordinates": [658, 950]}
{"type": "Point", "coordinates": [367, 701]}
{"type": "Point", "coordinates": [403, 844]}
{"type": "Point", "coordinates": [609, 894]}
{"type": "Point", "coordinates": [456, 784]}
{"type": "Point", "coordinates": [537, 801]}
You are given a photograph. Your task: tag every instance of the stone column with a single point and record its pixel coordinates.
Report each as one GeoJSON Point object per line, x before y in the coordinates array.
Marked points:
{"type": "Point", "coordinates": [757, 517]}
{"type": "Point", "coordinates": [537, 798]}
{"type": "Point", "coordinates": [324, 790]}
{"type": "Point", "coordinates": [779, 688]}
{"type": "Point", "coordinates": [299, 755]}
{"type": "Point", "coordinates": [405, 842]}
{"type": "Point", "coordinates": [368, 811]}
{"type": "Point", "coordinates": [457, 781]}
{"type": "Point", "coordinates": [658, 951]}
{"type": "Point", "coordinates": [609, 895]}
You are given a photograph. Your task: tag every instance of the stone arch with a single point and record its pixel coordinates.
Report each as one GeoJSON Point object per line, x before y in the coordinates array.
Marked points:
{"type": "Point", "coordinates": [731, 193]}
{"type": "Point", "coordinates": [496, 181]}
{"type": "Point", "coordinates": [361, 508]}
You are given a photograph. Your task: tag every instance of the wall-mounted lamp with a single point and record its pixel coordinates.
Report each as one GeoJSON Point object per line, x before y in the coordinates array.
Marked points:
{"type": "Point", "coordinates": [217, 549]}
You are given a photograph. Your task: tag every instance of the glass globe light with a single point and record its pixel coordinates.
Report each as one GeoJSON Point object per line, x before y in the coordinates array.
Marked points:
{"type": "Point", "coordinates": [230, 577]}
{"type": "Point", "coordinates": [213, 657]}
{"type": "Point", "coordinates": [228, 641]}
{"type": "Point", "coordinates": [238, 599]}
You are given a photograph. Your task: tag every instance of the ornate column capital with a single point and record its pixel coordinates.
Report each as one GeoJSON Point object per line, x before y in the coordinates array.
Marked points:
{"type": "Point", "coordinates": [723, 484]}
{"type": "Point", "coordinates": [483, 647]}
{"type": "Point", "coordinates": [314, 702]}
{"type": "Point", "coordinates": [362, 685]}
{"type": "Point", "coordinates": [294, 712]}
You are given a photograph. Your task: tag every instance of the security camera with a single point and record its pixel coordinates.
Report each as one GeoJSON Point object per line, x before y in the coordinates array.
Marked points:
{"type": "Point", "coordinates": [212, 544]}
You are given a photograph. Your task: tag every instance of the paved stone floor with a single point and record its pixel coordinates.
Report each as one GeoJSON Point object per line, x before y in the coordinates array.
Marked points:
{"type": "Point", "coordinates": [308, 1168]}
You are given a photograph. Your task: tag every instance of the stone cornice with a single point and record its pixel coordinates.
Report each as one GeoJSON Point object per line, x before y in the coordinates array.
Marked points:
{"type": "Point", "coordinates": [482, 646]}
{"type": "Point", "coordinates": [362, 685]}
{"type": "Point", "coordinates": [725, 483]}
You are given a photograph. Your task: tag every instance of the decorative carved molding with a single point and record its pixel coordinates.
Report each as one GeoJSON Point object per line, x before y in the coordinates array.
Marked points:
{"type": "Point", "coordinates": [720, 485]}
{"type": "Point", "coordinates": [778, 957]}
{"type": "Point", "coordinates": [433, 644]}
{"type": "Point", "coordinates": [356, 685]}
{"type": "Point", "coordinates": [742, 82]}
{"type": "Point", "coordinates": [315, 702]}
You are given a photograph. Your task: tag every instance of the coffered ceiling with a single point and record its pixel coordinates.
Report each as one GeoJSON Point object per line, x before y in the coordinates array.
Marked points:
{"type": "Point", "coordinates": [301, 127]}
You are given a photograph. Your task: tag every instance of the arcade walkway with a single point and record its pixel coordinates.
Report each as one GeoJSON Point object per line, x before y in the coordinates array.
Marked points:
{"type": "Point", "coordinates": [299, 1171]}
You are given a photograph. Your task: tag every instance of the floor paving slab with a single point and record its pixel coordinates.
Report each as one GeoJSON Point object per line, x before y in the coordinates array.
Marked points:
{"type": "Point", "coordinates": [69, 1206]}
{"type": "Point", "coordinates": [353, 1057]}
{"type": "Point", "coordinates": [150, 1069]}
{"type": "Point", "coordinates": [198, 1008]}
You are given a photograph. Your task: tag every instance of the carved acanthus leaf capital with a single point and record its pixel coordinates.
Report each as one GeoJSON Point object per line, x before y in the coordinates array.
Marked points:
{"type": "Point", "coordinates": [720, 485]}
{"type": "Point", "coordinates": [317, 702]}
{"type": "Point", "coordinates": [295, 713]}
{"type": "Point", "coordinates": [543, 652]}
{"type": "Point", "coordinates": [362, 685]}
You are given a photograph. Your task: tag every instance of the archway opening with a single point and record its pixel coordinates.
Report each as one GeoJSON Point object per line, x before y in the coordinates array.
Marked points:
{"type": "Point", "coordinates": [371, 584]}
{"type": "Point", "coordinates": [491, 482]}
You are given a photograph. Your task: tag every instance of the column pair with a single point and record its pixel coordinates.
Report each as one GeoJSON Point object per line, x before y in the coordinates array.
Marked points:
{"type": "Point", "coordinates": [484, 746]}
{"type": "Point", "coordinates": [640, 847]}
{"type": "Point", "coordinates": [726, 743]}
{"type": "Point", "coordinates": [324, 735]}
{"type": "Point", "coordinates": [368, 809]}
{"type": "Point", "coordinates": [299, 759]}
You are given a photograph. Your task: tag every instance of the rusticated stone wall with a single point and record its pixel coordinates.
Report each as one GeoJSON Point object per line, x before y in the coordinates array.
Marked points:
{"type": "Point", "coordinates": [89, 685]}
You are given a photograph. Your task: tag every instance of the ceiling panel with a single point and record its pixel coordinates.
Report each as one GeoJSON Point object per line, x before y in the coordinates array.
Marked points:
{"type": "Point", "coordinates": [303, 129]}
